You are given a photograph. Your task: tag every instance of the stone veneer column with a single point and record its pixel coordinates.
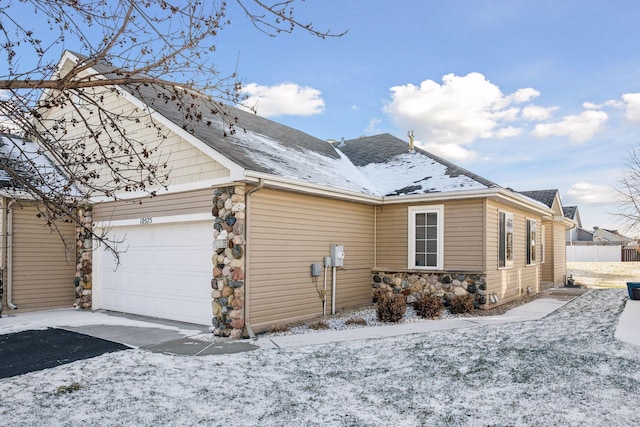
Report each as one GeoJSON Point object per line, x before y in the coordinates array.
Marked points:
{"type": "Point", "coordinates": [84, 257]}
{"type": "Point", "coordinates": [228, 261]}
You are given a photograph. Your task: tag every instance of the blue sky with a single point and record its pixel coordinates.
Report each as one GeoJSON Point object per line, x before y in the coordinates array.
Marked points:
{"type": "Point", "coordinates": [530, 94]}
{"type": "Point", "coordinates": [536, 94]}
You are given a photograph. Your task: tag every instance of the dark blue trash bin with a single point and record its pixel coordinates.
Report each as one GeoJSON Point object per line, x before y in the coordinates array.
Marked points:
{"type": "Point", "coordinates": [634, 290]}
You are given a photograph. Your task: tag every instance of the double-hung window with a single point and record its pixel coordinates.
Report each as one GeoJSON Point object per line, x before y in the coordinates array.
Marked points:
{"type": "Point", "coordinates": [531, 241]}
{"type": "Point", "coordinates": [505, 239]}
{"type": "Point", "coordinates": [426, 237]}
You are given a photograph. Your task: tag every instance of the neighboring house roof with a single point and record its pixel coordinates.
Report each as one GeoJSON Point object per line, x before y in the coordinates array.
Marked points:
{"type": "Point", "coordinates": [387, 163]}
{"type": "Point", "coordinates": [27, 159]}
{"type": "Point", "coordinates": [546, 197]}
{"type": "Point", "coordinates": [610, 235]}
{"type": "Point", "coordinates": [570, 212]}
{"type": "Point", "coordinates": [584, 235]}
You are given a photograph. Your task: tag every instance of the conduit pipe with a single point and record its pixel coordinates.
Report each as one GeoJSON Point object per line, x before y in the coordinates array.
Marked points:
{"type": "Point", "coordinates": [247, 252]}
{"type": "Point", "coordinates": [9, 283]}
{"type": "Point", "coordinates": [333, 292]}
{"type": "Point", "coordinates": [324, 293]}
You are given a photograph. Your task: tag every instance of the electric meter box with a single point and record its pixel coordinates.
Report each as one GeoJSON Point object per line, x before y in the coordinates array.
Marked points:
{"type": "Point", "coordinates": [337, 255]}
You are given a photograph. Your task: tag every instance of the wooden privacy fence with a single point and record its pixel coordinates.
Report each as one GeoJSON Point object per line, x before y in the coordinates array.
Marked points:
{"type": "Point", "coordinates": [630, 254]}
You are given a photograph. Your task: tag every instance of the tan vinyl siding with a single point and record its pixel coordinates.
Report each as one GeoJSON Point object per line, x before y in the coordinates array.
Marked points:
{"type": "Point", "coordinates": [509, 283]}
{"type": "Point", "coordinates": [186, 163]}
{"type": "Point", "coordinates": [463, 235]}
{"type": "Point", "coordinates": [43, 269]}
{"type": "Point", "coordinates": [287, 232]}
{"type": "Point", "coordinates": [189, 202]}
{"type": "Point", "coordinates": [546, 268]}
{"type": "Point", "coordinates": [554, 268]}
{"type": "Point", "coordinates": [559, 253]}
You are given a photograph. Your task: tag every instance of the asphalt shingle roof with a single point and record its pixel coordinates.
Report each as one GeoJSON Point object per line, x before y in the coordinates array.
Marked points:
{"type": "Point", "coordinates": [386, 161]}
{"type": "Point", "coordinates": [543, 196]}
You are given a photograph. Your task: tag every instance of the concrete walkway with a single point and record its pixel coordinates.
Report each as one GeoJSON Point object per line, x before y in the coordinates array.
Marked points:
{"type": "Point", "coordinates": [552, 300]}
{"type": "Point", "coordinates": [194, 340]}
{"type": "Point", "coordinates": [628, 329]}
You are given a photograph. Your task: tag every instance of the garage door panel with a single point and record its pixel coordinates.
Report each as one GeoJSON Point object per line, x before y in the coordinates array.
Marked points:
{"type": "Point", "coordinates": [164, 272]}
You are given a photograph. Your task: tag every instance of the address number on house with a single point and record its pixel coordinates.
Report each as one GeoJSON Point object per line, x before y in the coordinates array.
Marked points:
{"type": "Point", "coordinates": [146, 220]}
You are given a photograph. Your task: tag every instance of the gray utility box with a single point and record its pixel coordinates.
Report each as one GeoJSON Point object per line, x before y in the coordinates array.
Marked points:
{"type": "Point", "coordinates": [316, 269]}
{"type": "Point", "coordinates": [337, 255]}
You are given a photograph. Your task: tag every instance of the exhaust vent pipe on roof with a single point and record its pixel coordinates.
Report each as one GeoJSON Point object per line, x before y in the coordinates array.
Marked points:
{"type": "Point", "coordinates": [410, 135]}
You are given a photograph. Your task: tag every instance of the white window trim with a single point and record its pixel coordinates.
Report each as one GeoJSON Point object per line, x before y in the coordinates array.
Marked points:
{"type": "Point", "coordinates": [507, 264]}
{"type": "Point", "coordinates": [535, 246]}
{"type": "Point", "coordinates": [411, 257]}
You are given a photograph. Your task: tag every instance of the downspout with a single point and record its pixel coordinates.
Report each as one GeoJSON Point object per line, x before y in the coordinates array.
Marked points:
{"type": "Point", "coordinates": [9, 238]}
{"type": "Point", "coordinates": [247, 322]}
{"type": "Point", "coordinates": [375, 236]}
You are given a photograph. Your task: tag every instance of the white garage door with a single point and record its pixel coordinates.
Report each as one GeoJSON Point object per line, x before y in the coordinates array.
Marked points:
{"type": "Point", "coordinates": [165, 272]}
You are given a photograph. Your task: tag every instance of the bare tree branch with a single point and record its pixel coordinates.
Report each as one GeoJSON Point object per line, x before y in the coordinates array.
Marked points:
{"type": "Point", "coordinates": [161, 51]}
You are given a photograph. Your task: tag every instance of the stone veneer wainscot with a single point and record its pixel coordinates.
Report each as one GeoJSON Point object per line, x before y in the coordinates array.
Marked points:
{"type": "Point", "coordinates": [445, 285]}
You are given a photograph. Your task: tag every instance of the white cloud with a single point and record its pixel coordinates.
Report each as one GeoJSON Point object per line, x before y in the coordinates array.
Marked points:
{"type": "Point", "coordinates": [508, 132]}
{"type": "Point", "coordinates": [579, 128]}
{"type": "Point", "coordinates": [632, 101]}
{"type": "Point", "coordinates": [284, 99]}
{"type": "Point", "coordinates": [537, 113]}
{"type": "Point", "coordinates": [457, 112]}
{"type": "Point", "coordinates": [584, 193]}
{"type": "Point", "coordinates": [372, 127]}
{"type": "Point", "coordinates": [449, 151]}
{"type": "Point", "coordinates": [524, 95]}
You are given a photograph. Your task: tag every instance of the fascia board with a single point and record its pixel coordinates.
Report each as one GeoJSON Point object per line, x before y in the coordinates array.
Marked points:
{"type": "Point", "coordinates": [171, 189]}
{"type": "Point", "coordinates": [274, 181]}
{"type": "Point", "coordinates": [499, 194]}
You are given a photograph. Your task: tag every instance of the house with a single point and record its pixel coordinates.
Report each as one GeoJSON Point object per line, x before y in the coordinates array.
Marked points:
{"type": "Point", "coordinates": [270, 225]}
{"type": "Point", "coordinates": [37, 266]}
{"type": "Point", "coordinates": [610, 236]}
{"type": "Point", "coordinates": [576, 233]}
{"type": "Point", "coordinates": [599, 245]}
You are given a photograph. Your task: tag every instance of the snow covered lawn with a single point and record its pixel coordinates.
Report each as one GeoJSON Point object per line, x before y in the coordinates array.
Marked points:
{"type": "Point", "coordinates": [566, 369]}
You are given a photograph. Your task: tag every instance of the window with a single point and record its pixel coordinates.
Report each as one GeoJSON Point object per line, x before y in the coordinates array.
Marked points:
{"type": "Point", "coordinates": [426, 237]}
{"type": "Point", "coordinates": [505, 239]}
{"type": "Point", "coordinates": [531, 241]}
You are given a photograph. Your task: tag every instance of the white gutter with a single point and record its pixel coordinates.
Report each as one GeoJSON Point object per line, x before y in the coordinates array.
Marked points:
{"type": "Point", "coordinates": [317, 189]}
{"type": "Point", "coordinates": [9, 283]}
{"type": "Point", "coordinates": [496, 192]}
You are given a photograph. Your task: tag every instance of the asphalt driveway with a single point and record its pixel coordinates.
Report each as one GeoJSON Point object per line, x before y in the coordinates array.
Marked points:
{"type": "Point", "coordinates": [34, 350]}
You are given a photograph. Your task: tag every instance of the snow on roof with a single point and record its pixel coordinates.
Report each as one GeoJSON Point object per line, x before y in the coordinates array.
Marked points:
{"type": "Point", "coordinates": [415, 174]}
{"type": "Point", "coordinates": [386, 161]}
{"type": "Point", "coordinates": [27, 158]}
{"type": "Point", "coordinates": [290, 162]}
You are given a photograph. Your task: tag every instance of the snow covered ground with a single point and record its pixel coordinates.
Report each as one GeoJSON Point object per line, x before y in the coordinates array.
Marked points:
{"type": "Point", "coordinates": [566, 369]}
